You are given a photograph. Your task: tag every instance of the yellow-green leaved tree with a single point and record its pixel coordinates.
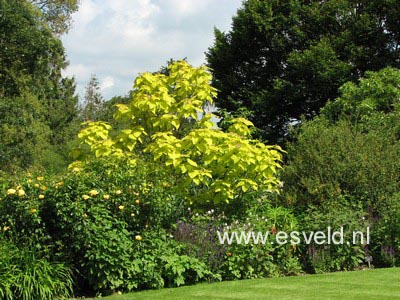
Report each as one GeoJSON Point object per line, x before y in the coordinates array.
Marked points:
{"type": "Point", "coordinates": [166, 119]}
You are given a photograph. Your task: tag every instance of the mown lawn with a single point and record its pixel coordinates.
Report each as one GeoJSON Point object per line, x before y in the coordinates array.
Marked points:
{"type": "Point", "coordinates": [368, 284]}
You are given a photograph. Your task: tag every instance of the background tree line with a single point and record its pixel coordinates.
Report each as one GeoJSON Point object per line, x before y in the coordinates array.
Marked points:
{"type": "Point", "coordinates": [39, 109]}
{"type": "Point", "coordinates": [282, 60]}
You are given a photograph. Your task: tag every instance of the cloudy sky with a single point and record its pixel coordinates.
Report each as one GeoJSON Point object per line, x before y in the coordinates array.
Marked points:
{"type": "Point", "coordinates": [117, 39]}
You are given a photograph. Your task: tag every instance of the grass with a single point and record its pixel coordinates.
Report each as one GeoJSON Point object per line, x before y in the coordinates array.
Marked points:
{"type": "Point", "coordinates": [368, 284]}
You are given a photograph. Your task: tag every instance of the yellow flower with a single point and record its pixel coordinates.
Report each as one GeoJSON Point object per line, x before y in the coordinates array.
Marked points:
{"type": "Point", "coordinates": [36, 185]}
{"type": "Point", "coordinates": [41, 196]}
{"type": "Point", "coordinates": [106, 197]}
{"type": "Point", "coordinates": [121, 207]}
{"type": "Point", "coordinates": [85, 197]}
{"type": "Point", "coordinates": [85, 215]}
{"type": "Point", "coordinates": [43, 188]}
{"type": "Point", "coordinates": [33, 210]}
{"type": "Point", "coordinates": [11, 192]}
{"type": "Point", "coordinates": [18, 187]}
{"type": "Point", "coordinates": [29, 180]}
{"type": "Point", "coordinates": [93, 193]}
{"type": "Point", "coordinates": [165, 184]}
{"type": "Point", "coordinates": [119, 192]}
{"type": "Point", "coordinates": [5, 228]}
{"type": "Point", "coordinates": [40, 178]}
{"type": "Point", "coordinates": [21, 193]}
{"type": "Point", "coordinates": [138, 237]}
{"type": "Point", "coordinates": [58, 184]}
{"type": "Point", "coordinates": [137, 201]}
{"type": "Point", "coordinates": [76, 170]}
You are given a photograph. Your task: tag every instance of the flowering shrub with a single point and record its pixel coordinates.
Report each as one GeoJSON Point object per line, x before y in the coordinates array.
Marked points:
{"type": "Point", "coordinates": [97, 218]}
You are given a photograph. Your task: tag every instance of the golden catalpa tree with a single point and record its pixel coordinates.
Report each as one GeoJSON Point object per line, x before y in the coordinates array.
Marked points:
{"type": "Point", "coordinates": [166, 121]}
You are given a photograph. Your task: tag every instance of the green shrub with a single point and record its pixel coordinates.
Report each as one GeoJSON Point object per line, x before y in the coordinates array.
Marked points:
{"type": "Point", "coordinates": [106, 252]}
{"type": "Point", "coordinates": [350, 154]}
{"type": "Point", "coordinates": [20, 214]}
{"type": "Point", "coordinates": [330, 160]}
{"type": "Point", "coordinates": [349, 165]}
{"type": "Point", "coordinates": [385, 234]}
{"type": "Point", "coordinates": [94, 216]}
{"type": "Point", "coordinates": [89, 219]}
{"type": "Point", "coordinates": [263, 259]}
{"type": "Point", "coordinates": [343, 172]}
{"type": "Point", "coordinates": [320, 258]}
{"type": "Point", "coordinates": [161, 262]}
{"type": "Point", "coordinates": [203, 234]}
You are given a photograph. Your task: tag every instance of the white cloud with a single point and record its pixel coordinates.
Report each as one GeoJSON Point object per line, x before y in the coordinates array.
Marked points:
{"type": "Point", "coordinates": [130, 19]}
{"type": "Point", "coordinates": [80, 71]}
{"type": "Point", "coordinates": [88, 11]}
{"type": "Point", "coordinates": [188, 7]}
{"type": "Point", "coordinates": [117, 39]}
{"type": "Point", "coordinates": [106, 83]}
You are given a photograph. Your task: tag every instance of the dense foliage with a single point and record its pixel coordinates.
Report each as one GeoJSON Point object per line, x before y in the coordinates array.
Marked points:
{"type": "Point", "coordinates": [112, 217]}
{"type": "Point", "coordinates": [106, 222]}
{"type": "Point", "coordinates": [159, 191]}
{"type": "Point", "coordinates": [347, 161]}
{"type": "Point", "coordinates": [37, 105]}
{"type": "Point", "coordinates": [285, 59]}
{"type": "Point", "coordinates": [24, 275]}
{"type": "Point", "coordinates": [210, 165]}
